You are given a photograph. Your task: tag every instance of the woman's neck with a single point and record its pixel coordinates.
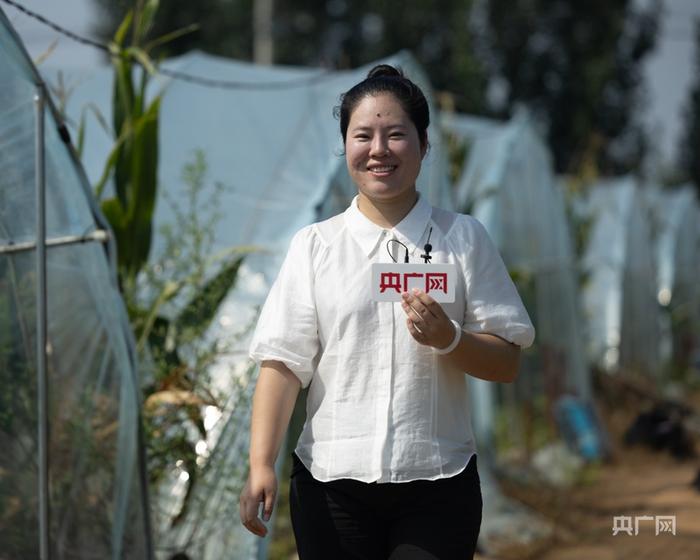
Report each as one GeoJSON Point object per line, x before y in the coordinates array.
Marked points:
{"type": "Point", "coordinates": [388, 213]}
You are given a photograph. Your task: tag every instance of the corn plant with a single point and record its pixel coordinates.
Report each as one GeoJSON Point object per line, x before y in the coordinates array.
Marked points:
{"type": "Point", "coordinates": [170, 309]}
{"type": "Point", "coordinates": [132, 164]}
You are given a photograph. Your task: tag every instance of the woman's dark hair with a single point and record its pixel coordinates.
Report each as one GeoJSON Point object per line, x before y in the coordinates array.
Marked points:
{"type": "Point", "coordinates": [384, 78]}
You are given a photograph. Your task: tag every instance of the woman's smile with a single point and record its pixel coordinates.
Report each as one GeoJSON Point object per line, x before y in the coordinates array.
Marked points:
{"type": "Point", "coordinates": [381, 170]}
{"type": "Point", "coordinates": [382, 149]}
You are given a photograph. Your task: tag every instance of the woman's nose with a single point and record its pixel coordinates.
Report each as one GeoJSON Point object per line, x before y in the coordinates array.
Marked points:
{"type": "Point", "coordinates": [379, 147]}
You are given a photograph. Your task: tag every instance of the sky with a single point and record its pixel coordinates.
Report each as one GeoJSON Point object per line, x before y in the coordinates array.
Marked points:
{"type": "Point", "coordinates": [668, 70]}
{"type": "Point", "coordinates": [668, 73]}
{"type": "Point", "coordinates": [75, 15]}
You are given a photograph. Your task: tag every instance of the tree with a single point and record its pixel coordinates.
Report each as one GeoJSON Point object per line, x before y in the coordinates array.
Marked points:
{"type": "Point", "coordinates": [349, 34]}
{"type": "Point", "coordinates": [333, 34]}
{"type": "Point", "coordinates": [689, 148]}
{"type": "Point", "coordinates": [577, 65]}
{"type": "Point", "coordinates": [223, 26]}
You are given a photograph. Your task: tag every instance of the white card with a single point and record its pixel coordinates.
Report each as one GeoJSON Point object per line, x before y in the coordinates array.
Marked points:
{"type": "Point", "coordinates": [390, 280]}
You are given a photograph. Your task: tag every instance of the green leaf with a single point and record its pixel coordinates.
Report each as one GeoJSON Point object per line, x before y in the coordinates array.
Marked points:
{"type": "Point", "coordinates": [80, 142]}
{"type": "Point", "coordinates": [143, 59]}
{"type": "Point", "coordinates": [92, 107]}
{"type": "Point", "coordinates": [123, 28]}
{"type": "Point", "coordinates": [143, 167]}
{"type": "Point", "coordinates": [146, 19]}
{"type": "Point", "coordinates": [113, 211]}
{"type": "Point", "coordinates": [168, 37]}
{"type": "Point", "coordinates": [122, 93]}
{"type": "Point", "coordinates": [201, 309]}
{"type": "Point", "coordinates": [109, 166]}
{"type": "Point", "coordinates": [153, 321]}
{"type": "Point", "coordinates": [158, 335]}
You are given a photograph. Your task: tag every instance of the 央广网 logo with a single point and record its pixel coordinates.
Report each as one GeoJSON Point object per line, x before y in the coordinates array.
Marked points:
{"type": "Point", "coordinates": [663, 524]}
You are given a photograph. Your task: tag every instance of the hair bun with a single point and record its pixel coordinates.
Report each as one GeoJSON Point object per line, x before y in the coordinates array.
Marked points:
{"type": "Point", "coordinates": [384, 70]}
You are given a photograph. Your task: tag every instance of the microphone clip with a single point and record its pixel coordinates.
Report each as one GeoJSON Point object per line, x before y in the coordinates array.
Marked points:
{"type": "Point", "coordinates": [427, 257]}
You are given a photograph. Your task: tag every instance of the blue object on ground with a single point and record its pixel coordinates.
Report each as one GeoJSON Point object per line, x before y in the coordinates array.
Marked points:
{"type": "Point", "coordinates": [580, 428]}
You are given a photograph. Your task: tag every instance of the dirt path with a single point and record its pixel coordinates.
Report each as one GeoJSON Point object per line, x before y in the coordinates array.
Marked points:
{"type": "Point", "coordinates": [639, 482]}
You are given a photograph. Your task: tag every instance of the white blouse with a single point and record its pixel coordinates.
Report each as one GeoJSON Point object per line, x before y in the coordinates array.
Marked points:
{"type": "Point", "coordinates": [382, 407]}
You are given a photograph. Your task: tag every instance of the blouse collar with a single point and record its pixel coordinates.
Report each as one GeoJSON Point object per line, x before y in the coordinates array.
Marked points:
{"type": "Point", "coordinates": [410, 230]}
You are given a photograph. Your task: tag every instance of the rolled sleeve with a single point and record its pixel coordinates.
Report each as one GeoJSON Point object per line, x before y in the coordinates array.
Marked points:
{"type": "Point", "coordinates": [493, 304]}
{"type": "Point", "coordinates": [287, 329]}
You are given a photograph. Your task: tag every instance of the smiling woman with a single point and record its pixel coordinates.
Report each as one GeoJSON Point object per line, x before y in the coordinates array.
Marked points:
{"type": "Point", "coordinates": [384, 122]}
{"type": "Point", "coordinates": [383, 154]}
{"type": "Point", "coordinates": [385, 466]}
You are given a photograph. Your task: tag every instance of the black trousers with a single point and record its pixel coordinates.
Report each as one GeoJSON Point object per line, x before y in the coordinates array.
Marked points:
{"type": "Point", "coordinates": [419, 520]}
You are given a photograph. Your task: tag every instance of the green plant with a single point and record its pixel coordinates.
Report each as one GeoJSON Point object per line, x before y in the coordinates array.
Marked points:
{"type": "Point", "coordinates": [173, 297]}
{"type": "Point", "coordinates": [172, 300]}
{"type": "Point", "coordinates": [132, 164]}
{"type": "Point", "coordinates": [172, 306]}
{"type": "Point", "coordinates": [133, 161]}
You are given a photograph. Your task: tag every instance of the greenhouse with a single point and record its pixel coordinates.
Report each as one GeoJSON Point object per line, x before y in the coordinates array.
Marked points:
{"type": "Point", "coordinates": [277, 154]}
{"type": "Point", "coordinates": [676, 219]}
{"type": "Point", "coordinates": [620, 290]}
{"type": "Point", "coordinates": [126, 403]}
{"type": "Point", "coordinates": [507, 183]}
{"type": "Point", "coordinates": [72, 476]}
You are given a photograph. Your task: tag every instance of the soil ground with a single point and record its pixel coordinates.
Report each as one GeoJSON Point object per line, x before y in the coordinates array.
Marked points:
{"type": "Point", "coordinates": [638, 481]}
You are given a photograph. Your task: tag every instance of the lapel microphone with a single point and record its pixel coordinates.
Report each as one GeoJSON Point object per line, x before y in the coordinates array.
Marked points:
{"type": "Point", "coordinates": [405, 258]}
{"type": "Point", "coordinates": [427, 248]}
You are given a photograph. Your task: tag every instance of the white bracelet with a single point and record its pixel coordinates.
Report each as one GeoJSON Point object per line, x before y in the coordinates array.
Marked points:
{"type": "Point", "coordinates": [455, 340]}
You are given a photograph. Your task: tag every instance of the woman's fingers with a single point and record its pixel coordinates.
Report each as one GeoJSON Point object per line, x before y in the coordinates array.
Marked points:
{"type": "Point", "coordinates": [256, 527]}
{"type": "Point", "coordinates": [412, 313]}
{"type": "Point", "coordinates": [427, 321]}
{"type": "Point", "coordinates": [268, 505]}
{"type": "Point", "coordinates": [420, 308]}
{"type": "Point", "coordinates": [249, 506]}
{"type": "Point", "coordinates": [416, 304]}
{"type": "Point", "coordinates": [428, 303]}
{"type": "Point", "coordinates": [415, 333]}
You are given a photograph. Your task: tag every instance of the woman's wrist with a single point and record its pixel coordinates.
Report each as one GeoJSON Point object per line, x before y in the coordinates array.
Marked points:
{"type": "Point", "coordinates": [455, 340]}
{"type": "Point", "coordinates": [261, 463]}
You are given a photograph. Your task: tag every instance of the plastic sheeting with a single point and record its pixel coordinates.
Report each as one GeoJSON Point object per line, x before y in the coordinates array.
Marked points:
{"type": "Point", "coordinates": [277, 151]}
{"type": "Point", "coordinates": [97, 504]}
{"type": "Point", "coordinates": [279, 155]}
{"type": "Point", "coordinates": [676, 219]}
{"type": "Point", "coordinates": [620, 294]}
{"type": "Point", "coordinates": [508, 184]}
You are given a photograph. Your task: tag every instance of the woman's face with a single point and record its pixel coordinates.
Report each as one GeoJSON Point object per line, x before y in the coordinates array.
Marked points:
{"type": "Point", "coordinates": [382, 149]}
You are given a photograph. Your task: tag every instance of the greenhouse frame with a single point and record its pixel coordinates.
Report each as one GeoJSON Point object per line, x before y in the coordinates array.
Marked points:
{"type": "Point", "coordinates": [73, 482]}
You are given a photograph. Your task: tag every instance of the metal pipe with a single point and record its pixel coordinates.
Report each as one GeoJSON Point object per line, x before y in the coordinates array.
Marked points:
{"type": "Point", "coordinates": [99, 235]}
{"type": "Point", "coordinates": [41, 324]}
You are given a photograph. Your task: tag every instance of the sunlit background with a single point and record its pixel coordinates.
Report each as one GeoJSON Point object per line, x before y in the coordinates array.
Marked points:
{"type": "Point", "coordinates": [570, 129]}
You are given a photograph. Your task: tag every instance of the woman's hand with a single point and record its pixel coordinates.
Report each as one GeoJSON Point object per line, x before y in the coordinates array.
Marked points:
{"type": "Point", "coordinates": [427, 321]}
{"type": "Point", "coordinates": [275, 394]}
{"type": "Point", "coordinates": [483, 355]}
{"type": "Point", "coordinates": [261, 487]}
